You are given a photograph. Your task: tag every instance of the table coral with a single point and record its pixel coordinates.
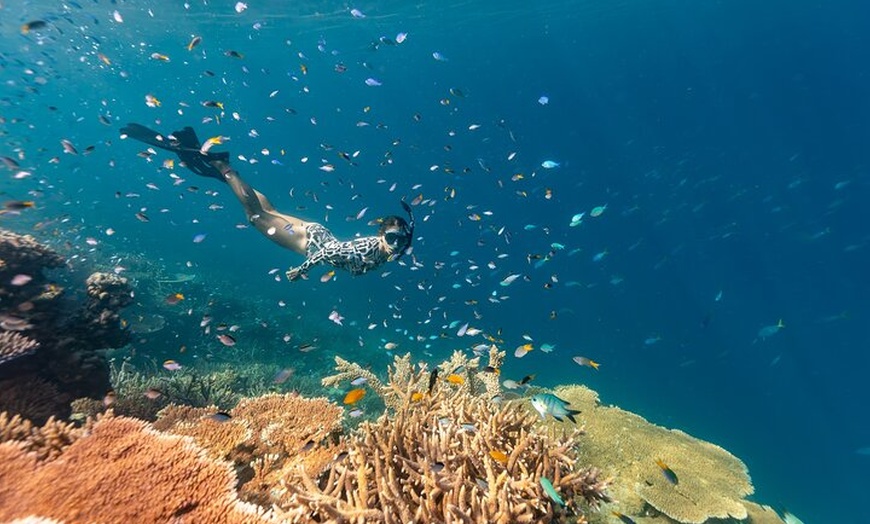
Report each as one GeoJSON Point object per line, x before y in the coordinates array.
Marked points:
{"type": "Point", "coordinates": [712, 483]}
{"type": "Point", "coordinates": [123, 471]}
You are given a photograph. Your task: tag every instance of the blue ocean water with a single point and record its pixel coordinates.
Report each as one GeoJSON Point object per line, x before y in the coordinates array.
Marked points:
{"type": "Point", "coordinates": [727, 141]}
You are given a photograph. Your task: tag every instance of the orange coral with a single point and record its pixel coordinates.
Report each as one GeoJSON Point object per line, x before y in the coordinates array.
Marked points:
{"type": "Point", "coordinates": [122, 472]}
{"type": "Point", "coordinates": [267, 438]}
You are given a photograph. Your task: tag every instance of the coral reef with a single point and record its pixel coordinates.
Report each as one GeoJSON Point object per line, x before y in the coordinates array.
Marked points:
{"type": "Point", "coordinates": [44, 442]}
{"type": "Point", "coordinates": [403, 380]}
{"type": "Point", "coordinates": [267, 438]}
{"type": "Point", "coordinates": [14, 345]}
{"type": "Point", "coordinates": [712, 483]}
{"type": "Point", "coordinates": [63, 336]}
{"type": "Point", "coordinates": [449, 457]}
{"type": "Point", "coordinates": [123, 471]}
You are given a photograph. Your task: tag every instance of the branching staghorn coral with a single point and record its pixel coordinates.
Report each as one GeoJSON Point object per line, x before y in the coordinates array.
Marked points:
{"type": "Point", "coordinates": [45, 442]}
{"type": "Point", "coordinates": [449, 457]}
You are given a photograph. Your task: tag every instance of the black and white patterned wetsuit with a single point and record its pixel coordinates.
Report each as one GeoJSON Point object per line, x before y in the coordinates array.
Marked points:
{"type": "Point", "coordinates": [357, 256]}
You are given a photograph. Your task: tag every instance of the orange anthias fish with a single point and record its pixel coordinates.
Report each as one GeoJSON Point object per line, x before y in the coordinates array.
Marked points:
{"type": "Point", "coordinates": [353, 396]}
{"type": "Point", "coordinates": [416, 396]}
{"type": "Point", "coordinates": [498, 456]}
{"type": "Point", "coordinates": [174, 298]}
{"type": "Point", "coordinates": [453, 378]}
{"type": "Point", "coordinates": [327, 276]}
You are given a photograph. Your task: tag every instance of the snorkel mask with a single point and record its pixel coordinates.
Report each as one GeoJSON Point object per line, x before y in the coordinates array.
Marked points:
{"type": "Point", "coordinates": [400, 237]}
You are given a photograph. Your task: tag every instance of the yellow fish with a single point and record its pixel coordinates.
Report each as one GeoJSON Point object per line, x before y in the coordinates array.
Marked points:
{"type": "Point", "coordinates": [453, 378]}
{"type": "Point", "coordinates": [416, 396]}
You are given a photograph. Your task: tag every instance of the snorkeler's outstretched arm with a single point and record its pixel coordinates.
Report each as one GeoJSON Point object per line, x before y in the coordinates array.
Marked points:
{"type": "Point", "coordinates": [295, 273]}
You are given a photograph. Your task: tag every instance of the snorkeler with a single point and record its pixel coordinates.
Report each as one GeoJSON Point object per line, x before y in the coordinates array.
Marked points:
{"type": "Point", "coordinates": [313, 240]}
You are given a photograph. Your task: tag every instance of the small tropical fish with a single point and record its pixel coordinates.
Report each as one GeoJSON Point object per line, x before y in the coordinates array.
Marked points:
{"type": "Point", "coordinates": [583, 361]}
{"type": "Point", "coordinates": [769, 331]}
{"type": "Point", "coordinates": [226, 340]}
{"type": "Point", "coordinates": [153, 393]}
{"type": "Point", "coordinates": [283, 375]}
{"type": "Point", "coordinates": [545, 403]}
{"type": "Point", "coordinates": [34, 24]}
{"type": "Point", "coordinates": [212, 103]}
{"type": "Point", "coordinates": [526, 379]}
{"type": "Point", "coordinates": [789, 518]}
{"type": "Point", "coordinates": [159, 57]}
{"type": "Point", "coordinates": [195, 41]}
{"type": "Point", "coordinates": [110, 398]}
{"type": "Point", "coordinates": [152, 101]}
{"type": "Point", "coordinates": [521, 351]}
{"type": "Point", "coordinates": [353, 396]}
{"type": "Point", "coordinates": [174, 298]}
{"type": "Point", "coordinates": [498, 456]}
{"type": "Point", "coordinates": [490, 369]}
{"type": "Point", "coordinates": [359, 381]}
{"type": "Point", "coordinates": [510, 384]}
{"type": "Point", "coordinates": [453, 378]}
{"type": "Point", "coordinates": [18, 205]}
{"type": "Point", "coordinates": [508, 280]}
{"type": "Point", "coordinates": [623, 518]}
{"type": "Point", "coordinates": [597, 211]}
{"type": "Point", "coordinates": [234, 54]}
{"type": "Point", "coordinates": [327, 276]}
{"type": "Point", "coordinates": [668, 473]}
{"type": "Point", "coordinates": [551, 491]}
{"type": "Point", "coordinates": [220, 416]}
{"type": "Point", "coordinates": [433, 378]}
{"type": "Point", "coordinates": [416, 396]}
{"type": "Point", "coordinates": [355, 413]}
{"type": "Point", "coordinates": [20, 279]}
{"type": "Point", "coordinates": [171, 365]}
{"type": "Point", "coordinates": [389, 346]}
{"type": "Point", "coordinates": [335, 317]}
{"type": "Point", "coordinates": [68, 147]}
{"type": "Point", "coordinates": [577, 219]}
{"type": "Point", "coordinates": [549, 164]}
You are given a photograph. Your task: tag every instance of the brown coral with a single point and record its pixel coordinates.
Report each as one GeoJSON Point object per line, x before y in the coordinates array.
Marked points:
{"type": "Point", "coordinates": [452, 457]}
{"type": "Point", "coordinates": [32, 397]}
{"type": "Point", "coordinates": [24, 254]}
{"type": "Point", "coordinates": [14, 345]}
{"type": "Point", "coordinates": [266, 437]}
{"type": "Point", "coordinates": [45, 442]}
{"type": "Point", "coordinates": [712, 482]}
{"type": "Point", "coordinates": [122, 472]}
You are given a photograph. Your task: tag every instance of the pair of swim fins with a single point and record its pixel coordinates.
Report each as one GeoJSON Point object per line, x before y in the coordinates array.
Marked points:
{"type": "Point", "coordinates": [183, 143]}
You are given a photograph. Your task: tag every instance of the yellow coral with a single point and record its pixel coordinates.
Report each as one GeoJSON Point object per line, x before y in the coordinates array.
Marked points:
{"type": "Point", "coordinates": [712, 482]}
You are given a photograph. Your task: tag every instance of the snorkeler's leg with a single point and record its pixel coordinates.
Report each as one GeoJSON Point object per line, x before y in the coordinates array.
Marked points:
{"type": "Point", "coordinates": [285, 230]}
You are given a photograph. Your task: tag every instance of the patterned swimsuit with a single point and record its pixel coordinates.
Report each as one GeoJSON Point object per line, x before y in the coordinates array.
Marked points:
{"type": "Point", "coordinates": [356, 256]}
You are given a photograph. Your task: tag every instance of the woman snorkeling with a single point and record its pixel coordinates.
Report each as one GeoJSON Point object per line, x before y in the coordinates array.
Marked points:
{"type": "Point", "coordinates": [313, 240]}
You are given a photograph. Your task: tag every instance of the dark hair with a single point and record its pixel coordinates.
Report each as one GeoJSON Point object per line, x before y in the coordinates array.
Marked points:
{"type": "Point", "coordinates": [394, 222]}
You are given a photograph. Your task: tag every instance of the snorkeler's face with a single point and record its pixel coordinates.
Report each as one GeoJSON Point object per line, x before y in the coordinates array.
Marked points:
{"type": "Point", "coordinates": [397, 239]}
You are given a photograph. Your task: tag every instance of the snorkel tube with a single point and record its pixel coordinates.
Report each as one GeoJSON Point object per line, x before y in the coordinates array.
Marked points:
{"type": "Point", "coordinates": [408, 210]}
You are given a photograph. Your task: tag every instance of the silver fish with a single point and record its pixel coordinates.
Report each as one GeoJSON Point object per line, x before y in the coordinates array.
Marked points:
{"type": "Point", "coordinates": [548, 403]}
